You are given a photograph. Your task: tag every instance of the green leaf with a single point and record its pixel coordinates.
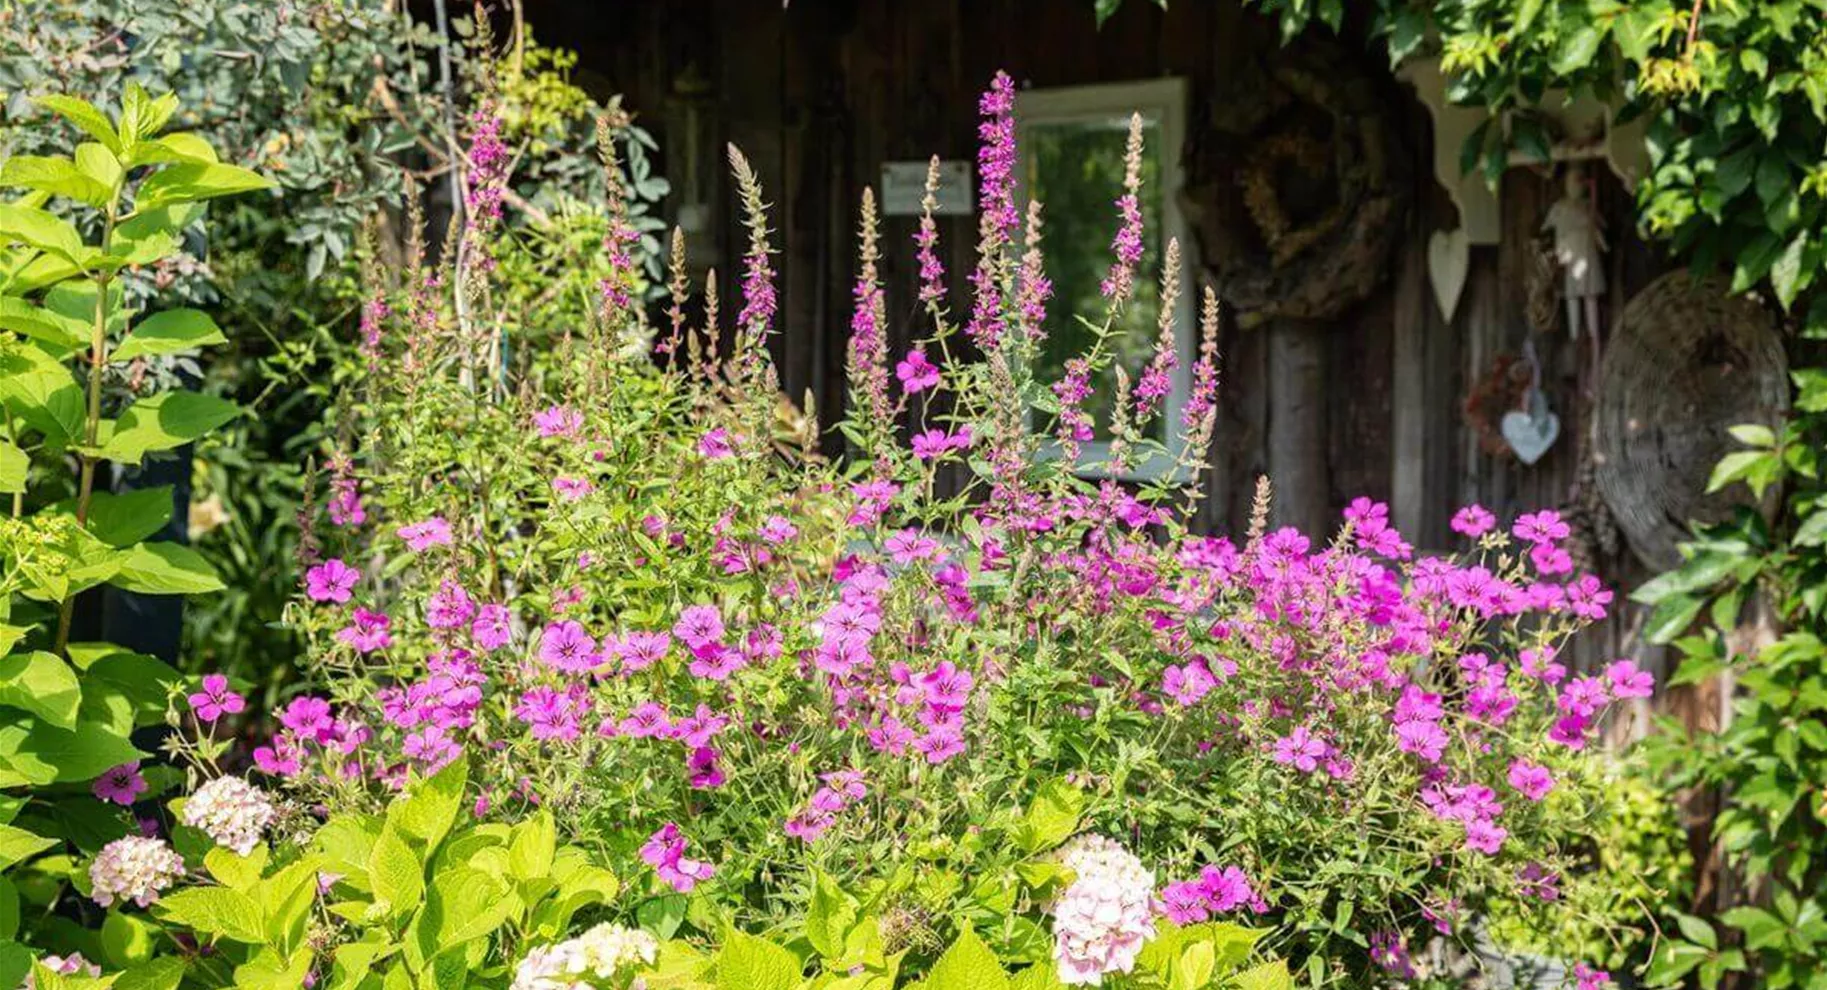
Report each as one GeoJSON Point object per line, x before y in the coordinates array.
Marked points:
{"type": "Point", "coordinates": [1761, 928]}
{"type": "Point", "coordinates": [1672, 617]}
{"type": "Point", "coordinates": [750, 963]}
{"type": "Point", "coordinates": [1697, 931]}
{"type": "Point", "coordinates": [216, 912]}
{"type": "Point", "coordinates": [43, 230]}
{"type": "Point", "coordinates": [464, 905]}
{"type": "Point", "coordinates": [829, 916]}
{"type": "Point", "coordinates": [163, 973]}
{"type": "Point", "coordinates": [165, 421]}
{"type": "Point", "coordinates": [1734, 467]}
{"type": "Point", "coordinates": [428, 814]}
{"type": "Point", "coordinates": [192, 181]}
{"type": "Point", "coordinates": [531, 850]}
{"type": "Point", "coordinates": [17, 845]}
{"type": "Point", "coordinates": [1102, 9]}
{"type": "Point", "coordinates": [152, 235]}
{"type": "Point", "coordinates": [235, 871]}
{"type": "Point", "coordinates": [967, 965]}
{"type": "Point", "coordinates": [1576, 49]}
{"type": "Point", "coordinates": [396, 873]}
{"type": "Point", "coordinates": [1195, 967]}
{"type": "Point", "coordinates": [179, 147]}
{"type": "Point", "coordinates": [172, 331]}
{"type": "Point", "coordinates": [42, 684]}
{"type": "Point", "coordinates": [43, 324]}
{"type": "Point", "coordinates": [57, 176]}
{"type": "Point", "coordinates": [129, 517]}
{"type": "Point", "coordinates": [1268, 976]}
{"type": "Point", "coordinates": [1785, 272]}
{"type": "Point", "coordinates": [9, 910]}
{"type": "Point", "coordinates": [166, 569]}
{"type": "Point", "coordinates": [39, 389]}
{"type": "Point", "coordinates": [1051, 817]}
{"type": "Point", "coordinates": [14, 464]}
{"type": "Point", "coordinates": [127, 940]}
{"type": "Point", "coordinates": [35, 752]}
{"type": "Point", "coordinates": [84, 115]}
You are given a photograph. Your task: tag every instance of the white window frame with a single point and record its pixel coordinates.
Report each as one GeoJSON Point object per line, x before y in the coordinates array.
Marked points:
{"type": "Point", "coordinates": [1163, 100]}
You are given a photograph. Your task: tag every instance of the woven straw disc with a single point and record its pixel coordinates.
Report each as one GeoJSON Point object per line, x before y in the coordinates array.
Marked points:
{"type": "Point", "coordinates": [1688, 361]}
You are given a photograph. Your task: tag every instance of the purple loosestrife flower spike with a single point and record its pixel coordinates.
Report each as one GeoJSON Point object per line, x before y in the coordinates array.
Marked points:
{"type": "Point", "coordinates": [868, 357]}
{"type": "Point", "coordinates": [1119, 284]}
{"type": "Point", "coordinates": [926, 239]}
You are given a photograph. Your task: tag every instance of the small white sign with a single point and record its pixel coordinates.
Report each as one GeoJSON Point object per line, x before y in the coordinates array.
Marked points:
{"type": "Point", "coordinates": [904, 186]}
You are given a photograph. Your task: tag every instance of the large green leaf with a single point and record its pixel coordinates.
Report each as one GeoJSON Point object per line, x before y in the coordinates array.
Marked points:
{"type": "Point", "coordinates": [216, 912]}
{"type": "Point", "coordinates": [43, 230]}
{"type": "Point", "coordinates": [164, 421]}
{"type": "Point", "coordinates": [395, 872]}
{"type": "Point", "coordinates": [42, 684]}
{"type": "Point", "coordinates": [192, 181]}
{"type": "Point", "coordinates": [43, 324]}
{"type": "Point", "coordinates": [163, 973]}
{"type": "Point", "coordinates": [39, 389]}
{"type": "Point", "coordinates": [151, 235]}
{"type": "Point", "coordinates": [17, 845]}
{"type": "Point", "coordinates": [170, 332]}
{"type": "Point", "coordinates": [129, 517]}
{"type": "Point", "coordinates": [750, 963]}
{"type": "Point", "coordinates": [57, 176]}
{"type": "Point", "coordinates": [967, 965]}
{"type": "Point", "coordinates": [34, 752]}
{"type": "Point", "coordinates": [13, 467]}
{"type": "Point", "coordinates": [428, 813]}
{"type": "Point", "coordinates": [85, 115]}
{"type": "Point", "coordinates": [166, 569]}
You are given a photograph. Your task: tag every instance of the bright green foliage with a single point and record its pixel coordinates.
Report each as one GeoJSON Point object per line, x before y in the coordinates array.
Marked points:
{"type": "Point", "coordinates": [124, 197]}
{"type": "Point", "coordinates": [1772, 756]}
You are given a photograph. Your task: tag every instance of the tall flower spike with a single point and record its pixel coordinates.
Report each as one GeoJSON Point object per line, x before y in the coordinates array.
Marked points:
{"type": "Point", "coordinates": [1121, 428]}
{"type": "Point", "coordinates": [1202, 406]}
{"type": "Point", "coordinates": [868, 357]}
{"type": "Point", "coordinates": [618, 289]}
{"type": "Point", "coordinates": [997, 219]}
{"type": "Point", "coordinates": [677, 287]}
{"type": "Point", "coordinates": [932, 272]}
{"type": "Point", "coordinates": [1158, 377]}
{"type": "Point", "coordinates": [1033, 287]}
{"type": "Point", "coordinates": [1127, 245]}
{"type": "Point", "coordinates": [759, 302]}
{"type": "Point", "coordinates": [713, 319]}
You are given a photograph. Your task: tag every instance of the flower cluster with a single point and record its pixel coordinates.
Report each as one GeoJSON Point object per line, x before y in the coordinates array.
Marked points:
{"type": "Point", "coordinates": [599, 954]}
{"type": "Point", "coordinates": [230, 811]}
{"type": "Point", "coordinates": [1105, 915]}
{"type": "Point", "coordinates": [134, 868]}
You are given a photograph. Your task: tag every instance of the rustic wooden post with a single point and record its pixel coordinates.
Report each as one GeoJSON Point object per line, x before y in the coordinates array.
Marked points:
{"type": "Point", "coordinates": [1297, 425]}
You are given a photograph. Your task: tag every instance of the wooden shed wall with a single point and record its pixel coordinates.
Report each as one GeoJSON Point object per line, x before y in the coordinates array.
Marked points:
{"type": "Point", "coordinates": [819, 93]}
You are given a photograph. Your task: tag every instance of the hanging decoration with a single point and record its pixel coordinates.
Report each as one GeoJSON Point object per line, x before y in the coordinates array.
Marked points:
{"type": "Point", "coordinates": [1688, 360]}
{"type": "Point", "coordinates": [1297, 199]}
{"type": "Point", "coordinates": [1579, 248]}
{"type": "Point", "coordinates": [1449, 259]}
{"type": "Point", "coordinates": [1531, 430]}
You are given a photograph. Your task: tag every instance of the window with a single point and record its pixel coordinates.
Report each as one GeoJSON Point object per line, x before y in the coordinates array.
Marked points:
{"type": "Point", "coordinates": [1071, 142]}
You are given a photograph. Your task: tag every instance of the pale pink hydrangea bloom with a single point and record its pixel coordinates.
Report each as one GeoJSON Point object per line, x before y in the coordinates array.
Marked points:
{"type": "Point", "coordinates": [231, 811]}
{"type": "Point", "coordinates": [1105, 916]}
{"type": "Point", "coordinates": [134, 869]}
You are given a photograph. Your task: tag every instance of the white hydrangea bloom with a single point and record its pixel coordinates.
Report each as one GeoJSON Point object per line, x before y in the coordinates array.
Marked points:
{"type": "Point", "coordinates": [600, 953]}
{"type": "Point", "coordinates": [1105, 916]}
{"type": "Point", "coordinates": [133, 869]}
{"type": "Point", "coordinates": [71, 965]}
{"type": "Point", "coordinates": [231, 811]}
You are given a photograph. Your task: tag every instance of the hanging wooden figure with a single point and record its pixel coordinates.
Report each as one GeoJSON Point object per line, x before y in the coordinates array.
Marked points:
{"type": "Point", "coordinates": [1579, 248]}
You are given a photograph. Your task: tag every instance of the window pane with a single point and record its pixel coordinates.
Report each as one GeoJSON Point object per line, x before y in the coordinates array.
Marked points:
{"type": "Point", "coordinates": [1075, 169]}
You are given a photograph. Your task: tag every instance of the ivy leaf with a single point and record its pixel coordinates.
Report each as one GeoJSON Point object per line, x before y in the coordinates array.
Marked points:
{"type": "Point", "coordinates": [172, 331]}
{"type": "Point", "coordinates": [1785, 273]}
{"type": "Point", "coordinates": [1577, 49]}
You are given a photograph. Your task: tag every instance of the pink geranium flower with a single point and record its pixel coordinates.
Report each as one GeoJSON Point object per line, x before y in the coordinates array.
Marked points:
{"type": "Point", "coordinates": [421, 536]}
{"type": "Point", "coordinates": [121, 785]}
{"type": "Point", "coordinates": [215, 700]}
{"type": "Point", "coordinates": [331, 581]}
{"type": "Point", "coordinates": [665, 852]}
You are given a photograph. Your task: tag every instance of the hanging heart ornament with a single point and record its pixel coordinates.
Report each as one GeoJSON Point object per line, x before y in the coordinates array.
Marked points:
{"type": "Point", "coordinates": [1532, 431]}
{"type": "Point", "coordinates": [1449, 257]}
